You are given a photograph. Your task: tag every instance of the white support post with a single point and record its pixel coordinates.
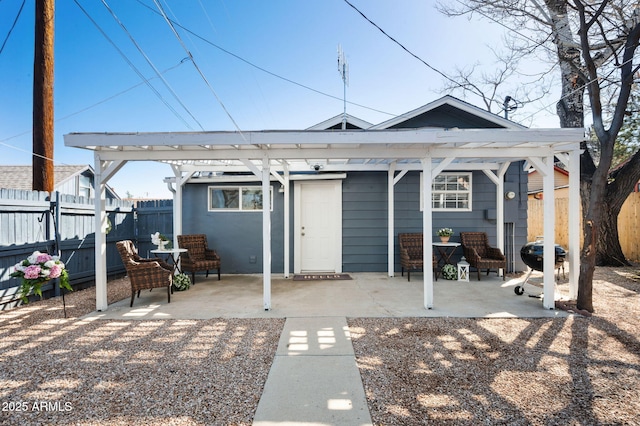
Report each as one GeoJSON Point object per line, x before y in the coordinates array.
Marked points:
{"type": "Point", "coordinates": [177, 202]}
{"type": "Point", "coordinates": [427, 224]}
{"type": "Point", "coordinates": [549, 250]}
{"type": "Point", "coordinates": [266, 234]}
{"type": "Point", "coordinates": [104, 170]}
{"type": "Point", "coordinates": [574, 225]}
{"type": "Point", "coordinates": [391, 220]}
{"type": "Point", "coordinates": [287, 225]}
{"type": "Point", "coordinates": [100, 236]}
{"type": "Point", "coordinates": [498, 180]}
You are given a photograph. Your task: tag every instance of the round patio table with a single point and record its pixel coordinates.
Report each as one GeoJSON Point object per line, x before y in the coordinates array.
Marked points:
{"type": "Point", "coordinates": [171, 254]}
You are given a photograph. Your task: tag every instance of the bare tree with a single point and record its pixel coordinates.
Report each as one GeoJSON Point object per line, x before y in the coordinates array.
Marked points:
{"type": "Point", "coordinates": [492, 86]}
{"type": "Point", "coordinates": [595, 45]}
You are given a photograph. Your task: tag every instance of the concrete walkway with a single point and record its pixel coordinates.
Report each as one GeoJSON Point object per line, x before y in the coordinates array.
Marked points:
{"type": "Point", "coordinates": [314, 379]}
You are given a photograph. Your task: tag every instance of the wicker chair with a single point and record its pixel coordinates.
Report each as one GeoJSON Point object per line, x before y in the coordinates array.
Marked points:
{"type": "Point", "coordinates": [144, 273]}
{"type": "Point", "coordinates": [199, 257]}
{"type": "Point", "coordinates": [480, 254]}
{"type": "Point", "coordinates": [411, 254]}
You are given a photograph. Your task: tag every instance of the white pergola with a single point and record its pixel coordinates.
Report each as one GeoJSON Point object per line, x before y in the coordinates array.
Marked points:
{"type": "Point", "coordinates": [278, 154]}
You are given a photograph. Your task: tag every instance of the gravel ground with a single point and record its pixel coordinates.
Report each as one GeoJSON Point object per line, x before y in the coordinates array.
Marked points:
{"type": "Point", "coordinates": [566, 371]}
{"type": "Point", "coordinates": [102, 372]}
{"type": "Point", "coordinates": [575, 370]}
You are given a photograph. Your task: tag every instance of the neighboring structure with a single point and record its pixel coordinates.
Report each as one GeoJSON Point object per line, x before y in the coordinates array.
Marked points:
{"type": "Point", "coordinates": [560, 183]}
{"type": "Point", "coordinates": [353, 190]}
{"type": "Point", "coordinates": [75, 180]}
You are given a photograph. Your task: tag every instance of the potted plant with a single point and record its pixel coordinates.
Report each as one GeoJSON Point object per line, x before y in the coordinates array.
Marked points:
{"type": "Point", "coordinates": [449, 272]}
{"type": "Point", "coordinates": [38, 269]}
{"type": "Point", "coordinates": [445, 234]}
{"type": "Point", "coordinates": [160, 240]}
{"type": "Point", "coordinates": [181, 282]}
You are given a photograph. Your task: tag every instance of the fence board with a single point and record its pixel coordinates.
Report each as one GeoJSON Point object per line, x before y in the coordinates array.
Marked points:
{"type": "Point", "coordinates": [627, 224]}
{"type": "Point", "coordinates": [21, 232]}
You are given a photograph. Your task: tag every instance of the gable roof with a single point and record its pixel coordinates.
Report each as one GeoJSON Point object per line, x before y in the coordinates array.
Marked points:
{"type": "Point", "coordinates": [353, 123]}
{"type": "Point", "coordinates": [448, 112]}
{"type": "Point", "coordinates": [21, 177]}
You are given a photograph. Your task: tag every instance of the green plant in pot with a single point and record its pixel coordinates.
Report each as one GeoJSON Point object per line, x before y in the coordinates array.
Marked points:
{"type": "Point", "coordinates": [445, 234]}
{"type": "Point", "coordinates": [449, 272]}
{"type": "Point", "coordinates": [181, 282]}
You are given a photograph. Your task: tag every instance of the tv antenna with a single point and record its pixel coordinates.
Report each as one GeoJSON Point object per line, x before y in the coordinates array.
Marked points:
{"type": "Point", "coordinates": [509, 105]}
{"type": "Point", "coordinates": [343, 69]}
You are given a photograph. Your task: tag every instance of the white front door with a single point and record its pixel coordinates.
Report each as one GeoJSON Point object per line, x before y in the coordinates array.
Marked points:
{"type": "Point", "coordinates": [318, 226]}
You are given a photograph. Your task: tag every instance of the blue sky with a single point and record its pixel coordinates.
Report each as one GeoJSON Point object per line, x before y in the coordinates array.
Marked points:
{"type": "Point", "coordinates": [96, 90]}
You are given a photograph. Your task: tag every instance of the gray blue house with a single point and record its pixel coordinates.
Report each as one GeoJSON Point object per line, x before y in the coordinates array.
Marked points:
{"type": "Point", "coordinates": [333, 199]}
{"type": "Point", "coordinates": [223, 205]}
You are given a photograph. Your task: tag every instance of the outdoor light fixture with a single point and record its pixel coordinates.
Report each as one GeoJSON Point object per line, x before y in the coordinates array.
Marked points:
{"type": "Point", "coordinates": [510, 195]}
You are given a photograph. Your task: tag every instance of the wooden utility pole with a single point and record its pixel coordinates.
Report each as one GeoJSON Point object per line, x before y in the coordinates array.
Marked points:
{"type": "Point", "coordinates": [43, 97]}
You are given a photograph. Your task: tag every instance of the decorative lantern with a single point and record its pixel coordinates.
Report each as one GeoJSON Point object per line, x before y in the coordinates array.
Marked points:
{"type": "Point", "coordinates": [463, 270]}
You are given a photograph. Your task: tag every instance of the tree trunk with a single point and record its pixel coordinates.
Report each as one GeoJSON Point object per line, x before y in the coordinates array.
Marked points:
{"type": "Point", "coordinates": [43, 136]}
{"type": "Point", "coordinates": [621, 183]}
{"type": "Point", "coordinates": [587, 262]}
{"type": "Point", "coordinates": [608, 249]}
{"type": "Point", "coordinates": [570, 107]}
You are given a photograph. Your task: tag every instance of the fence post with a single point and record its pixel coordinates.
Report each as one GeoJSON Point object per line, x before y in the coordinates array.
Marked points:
{"type": "Point", "coordinates": [55, 207]}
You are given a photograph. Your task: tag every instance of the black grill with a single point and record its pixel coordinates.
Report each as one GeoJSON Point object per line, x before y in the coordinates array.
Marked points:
{"type": "Point", "coordinates": [532, 255]}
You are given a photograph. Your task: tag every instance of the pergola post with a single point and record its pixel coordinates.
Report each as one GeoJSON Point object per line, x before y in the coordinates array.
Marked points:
{"type": "Point", "coordinates": [104, 170]}
{"type": "Point", "coordinates": [574, 225]}
{"type": "Point", "coordinates": [549, 249]}
{"type": "Point", "coordinates": [390, 220]}
{"type": "Point", "coordinates": [498, 180]}
{"type": "Point", "coordinates": [266, 234]}
{"type": "Point", "coordinates": [427, 224]}
{"type": "Point", "coordinates": [100, 236]}
{"type": "Point", "coordinates": [287, 216]}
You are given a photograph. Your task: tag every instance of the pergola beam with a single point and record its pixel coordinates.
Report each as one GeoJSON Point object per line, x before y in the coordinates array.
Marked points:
{"type": "Point", "coordinates": [260, 139]}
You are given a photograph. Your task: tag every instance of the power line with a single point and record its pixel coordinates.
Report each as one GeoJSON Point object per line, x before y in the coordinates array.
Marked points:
{"type": "Point", "coordinates": [266, 71]}
{"type": "Point", "coordinates": [15, 21]}
{"type": "Point", "coordinates": [144, 55]}
{"type": "Point", "coordinates": [197, 67]}
{"type": "Point", "coordinates": [122, 92]}
{"type": "Point", "coordinates": [400, 44]}
{"type": "Point", "coordinates": [133, 67]}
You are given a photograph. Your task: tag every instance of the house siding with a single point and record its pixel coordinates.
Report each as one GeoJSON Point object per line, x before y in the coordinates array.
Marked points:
{"type": "Point", "coordinates": [237, 236]}
{"type": "Point", "coordinates": [447, 116]}
{"type": "Point", "coordinates": [364, 222]}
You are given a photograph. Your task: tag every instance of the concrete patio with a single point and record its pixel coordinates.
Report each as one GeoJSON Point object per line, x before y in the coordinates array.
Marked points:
{"type": "Point", "coordinates": [366, 295]}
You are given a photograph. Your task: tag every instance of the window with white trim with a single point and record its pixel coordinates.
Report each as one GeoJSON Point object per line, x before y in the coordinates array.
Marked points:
{"type": "Point", "coordinates": [237, 198]}
{"type": "Point", "coordinates": [450, 191]}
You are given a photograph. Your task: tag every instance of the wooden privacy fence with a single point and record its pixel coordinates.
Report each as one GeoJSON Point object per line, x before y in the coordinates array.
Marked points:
{"type": "Point", "coordinates": [29, 221]}
{"type": "Point", "coordinates": [628, 224]}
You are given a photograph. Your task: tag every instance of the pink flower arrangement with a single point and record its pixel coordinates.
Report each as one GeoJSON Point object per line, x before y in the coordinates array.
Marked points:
{"type": "Point", "coordinates": [36, 270]}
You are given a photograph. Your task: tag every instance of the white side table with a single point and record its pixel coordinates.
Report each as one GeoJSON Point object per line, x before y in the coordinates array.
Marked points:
{"type": "Point", "coordinates": [171, 254]}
